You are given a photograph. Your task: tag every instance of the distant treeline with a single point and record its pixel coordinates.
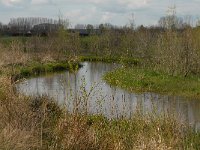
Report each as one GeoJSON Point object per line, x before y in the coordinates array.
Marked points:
{"type": "Point", "coordinates": [44, 26]}
{"type": "Point", "coordinates": [32, 25]}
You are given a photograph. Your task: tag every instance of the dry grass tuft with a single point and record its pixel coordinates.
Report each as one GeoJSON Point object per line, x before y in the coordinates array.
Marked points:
{"type": "Point", "coordinates": [16, 139]}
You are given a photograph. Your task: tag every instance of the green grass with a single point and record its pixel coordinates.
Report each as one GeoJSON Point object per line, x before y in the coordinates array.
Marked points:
{"type": "Point", "coordinates": [7, 40]}
{"type": "Point", "coordinates": [142, 80]}
{"type": "Point", "coordinates": [35, 68]}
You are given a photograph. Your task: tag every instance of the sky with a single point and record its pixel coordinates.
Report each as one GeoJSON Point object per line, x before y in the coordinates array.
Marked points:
{"type": "Point", "coordinates": [116, 12]}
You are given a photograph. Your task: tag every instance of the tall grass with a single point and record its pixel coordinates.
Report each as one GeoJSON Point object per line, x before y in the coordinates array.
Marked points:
{"type": "Point", "coordinates": [39, 123]}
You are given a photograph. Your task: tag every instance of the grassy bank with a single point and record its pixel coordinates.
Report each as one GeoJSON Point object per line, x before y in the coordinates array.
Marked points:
{"type": "Point", "coordinates": [142, 80]}
{"type": "Point", "coordinates": [129, 60]}
{"type": "Point", "coordinates": [36, 68]}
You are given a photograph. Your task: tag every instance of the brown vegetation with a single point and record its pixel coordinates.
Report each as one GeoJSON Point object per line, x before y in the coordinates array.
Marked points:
{"type": "Point", "coordinates": [39, 123]}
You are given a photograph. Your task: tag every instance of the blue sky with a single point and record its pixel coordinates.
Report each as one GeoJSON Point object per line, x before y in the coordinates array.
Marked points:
{"type": "Point", "coordinates": [116, 12]}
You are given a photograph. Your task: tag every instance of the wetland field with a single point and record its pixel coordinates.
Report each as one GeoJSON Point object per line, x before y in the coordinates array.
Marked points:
{"type": "Point", "coordinates": [119, 89]}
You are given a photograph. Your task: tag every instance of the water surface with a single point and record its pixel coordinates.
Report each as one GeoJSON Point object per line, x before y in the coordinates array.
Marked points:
{"type": "Point", "coordinates": [99, 97]}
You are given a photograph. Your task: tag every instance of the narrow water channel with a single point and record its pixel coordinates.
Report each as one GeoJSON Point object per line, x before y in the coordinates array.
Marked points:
{"type": "Point", "coordinates": [101, 98]}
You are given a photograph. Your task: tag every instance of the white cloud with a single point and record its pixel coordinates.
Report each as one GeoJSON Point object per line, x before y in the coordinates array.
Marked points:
{"type": "Point", "coordinates": [11, 2]}
{"type": "Point", "coordinates": [107, 17]}
{"type": "Point", "coordinates": [39, 2]}
{"type": "Point", "coordinates": [97, 11]}
{"type": "Point", "coordinates": [82, 16]}
{"type": "Point", "coordinates": [134, 3]}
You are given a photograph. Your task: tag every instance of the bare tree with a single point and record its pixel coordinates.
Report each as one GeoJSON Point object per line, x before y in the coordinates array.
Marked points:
{"type": "Point", "coordinates": [198, 22]}
{"type": "Point", "coordinates": [90, 29]}
{"type": "Point", "coordinates": [132, 21]}
{"type": "Point", "coordinates": [1, 28]}
{"type": "Point", "coordinates": [23, 25]}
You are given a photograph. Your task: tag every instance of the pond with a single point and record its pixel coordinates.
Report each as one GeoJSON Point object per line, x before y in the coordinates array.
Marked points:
{"type": "Point", "coordinates": [94, 96]}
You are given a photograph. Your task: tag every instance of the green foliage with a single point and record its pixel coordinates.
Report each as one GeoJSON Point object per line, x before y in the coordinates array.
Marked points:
{"type": "Point", "coordinates": [34, 69]}
{"type": "Point", "coordinates": [96, 119]}
{"type": "Point", "coordinates": [25, 72]}
{"type": "Point", "coordinates": [192, 137]}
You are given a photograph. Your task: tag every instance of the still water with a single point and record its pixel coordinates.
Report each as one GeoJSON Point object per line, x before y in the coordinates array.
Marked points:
{"type": "Point", "coordinates": [94, 96]}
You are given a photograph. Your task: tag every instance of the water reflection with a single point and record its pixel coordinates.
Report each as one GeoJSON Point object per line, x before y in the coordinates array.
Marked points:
{"type": "Point", "coordinates": [101, 98]}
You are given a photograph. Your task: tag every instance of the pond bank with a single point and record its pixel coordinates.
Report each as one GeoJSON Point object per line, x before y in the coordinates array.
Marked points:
{"type": "Point", "coordinates": [36, 68]}
{"type": "Point", "coordinates": [132, 61]}
{"type": "Point", "coordinates": [143, 80]}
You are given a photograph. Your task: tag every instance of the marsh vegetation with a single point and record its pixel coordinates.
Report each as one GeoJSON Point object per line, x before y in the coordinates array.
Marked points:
{"type": "Point", "coordinates": [163, 59]}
